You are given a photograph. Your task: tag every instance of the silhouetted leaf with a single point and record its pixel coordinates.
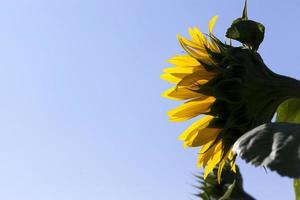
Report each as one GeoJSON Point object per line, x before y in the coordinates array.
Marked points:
{"type": "Point", "coordinates": [272, 145]}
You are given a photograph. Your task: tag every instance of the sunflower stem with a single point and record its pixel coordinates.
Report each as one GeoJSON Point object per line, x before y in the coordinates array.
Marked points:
{"type": "Point", "coordinates": [296, 183]}
{"type": "Point", "coordinates": [291, 87]}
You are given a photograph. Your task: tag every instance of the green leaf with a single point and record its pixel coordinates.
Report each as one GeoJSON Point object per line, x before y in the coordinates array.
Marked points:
{"type": "Point", "coordinates": [289, 111]}
{"type": "Point", "coordinates": [272, 145]}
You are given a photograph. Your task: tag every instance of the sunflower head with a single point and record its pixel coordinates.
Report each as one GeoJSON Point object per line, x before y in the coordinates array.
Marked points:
{"type": "Point", "coordinates": [230, 86]}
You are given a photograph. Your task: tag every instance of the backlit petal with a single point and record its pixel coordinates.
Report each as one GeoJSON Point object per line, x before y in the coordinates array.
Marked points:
{"type": "Point", "coordinates": [170, 78]}
{"type": "Point", "coordinates": [180, 93]}
{"type": "Point", "coordinates": [201, 123]}
{"type": "Point", "coordinates": [191, 109]}
{"type": "Point", "coordinates": [196, 79]}
{"type": "Point", "coordinates": [215, 159]}
{"type": "Point", "coordinates": [201, 137]}
{"type": "Point", "coordinates": [211, 24]}
{"type": "Point", "coordinates": [183, 60]}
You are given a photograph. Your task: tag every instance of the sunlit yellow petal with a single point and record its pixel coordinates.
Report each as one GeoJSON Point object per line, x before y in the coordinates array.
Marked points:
{"type": "Point", "coordinates": [200, 36]}
{"type": "Point", "coordinates": [197, 48]}
{"type": "Point", "coordinates": [197, 36]}
{"type": "Point", "coordinates": [205, 154]}
{"type": "Point", "coordinates": [196, 79]}
{"type": "Point", "coordinates": [233, 167]}
{"type": "Point", "coordinates": [231, 161]}
{"type": "Point", "coordinates": [215, 159]}
{"type": "Point", "coordinates": [191, 109]}
{"type": "Point", "coordinates": [201, 123]}
{"type": "Point", "coordinates": [201, 137]}
{"type": "Point", "coordinates": [230, 155]}
{"type": "Point", "coordinates": [213, 46]}
{"type": "Point", "coordinates": [198, 54]}
{"type": "Point", "coordinates": [170, 78]}
{"type": "Point", "coordinates": [194, 37]}
{"type": "Point", "coordinates": [220, 168]}
{"type": "Point", "coordinates": [211, 24]}
{"type": "Point", "coordinates": [183, 70]}
{"type": "Point", "coordinates": [184, 60]}
{"type": "Point", "coordinates": [180, 93]}
{"type": "Point", "coordinates": [207, 151]}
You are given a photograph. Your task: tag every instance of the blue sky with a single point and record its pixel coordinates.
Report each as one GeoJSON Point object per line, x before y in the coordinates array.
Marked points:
{"type": "Point", "coordinates": [81, 112]}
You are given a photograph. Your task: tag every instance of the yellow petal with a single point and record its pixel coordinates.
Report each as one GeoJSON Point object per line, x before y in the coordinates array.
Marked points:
{"type": "Point", "coordinates": [211, 24]}
{"type": "Point", "coordinates": [193, 81]}
{"type": "Point", "coordinates": [184, 60]}
{"type": "Point", "coordinates": [200, 35]}
{"type": "Point", "coordinates": [206, 153]}
{"type": "Point", "coordinates": [180, 93]}
{"type": "Point", "coordinates": [194, 37]}
{"type": "Point", "coordinates": [196, 53]}
{"type": "Point", "coordinates": [201, 137]}
{"type": "Point", "coordinates": [181, 72]}
{"type": "Point", "coordinates": [220, 169]}
{"type": "Point", "coordinates": [197, 36]}
{"type": "Point", "coordinates": [197, 46]}
{"type": "Point", "coordinates": [170, 78]}
{"type": "Point", "coordinates": [191, 109]}
{"type": "Point", "coordinates": [230, 158]}
{"type": "Point", "coordinates": [233, 167]}
{"type": "Point", "coordinates": [201, 123]}
{"type": "Point", "coordinates": [215, 159]}
{"type": "Point", "coordinates": [230, 155]}
{"type": "Point", "coordinates": [222, 164]}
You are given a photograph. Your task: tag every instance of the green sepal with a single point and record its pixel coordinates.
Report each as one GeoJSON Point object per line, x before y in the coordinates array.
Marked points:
{"type": "Point", "coordinates": [210, 67]}
{"type": "Point", "coordinates": [217, 123]}
{"type": "Point", "coordinates": [220, 109]}
{"type": "Point", "coordinates": [229, 90]}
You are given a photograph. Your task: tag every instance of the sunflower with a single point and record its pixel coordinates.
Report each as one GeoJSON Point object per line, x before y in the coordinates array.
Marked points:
{"type": "Point", "coordinates": [191, 72]}
{"type": "Point", "coordinates": [229, 87]}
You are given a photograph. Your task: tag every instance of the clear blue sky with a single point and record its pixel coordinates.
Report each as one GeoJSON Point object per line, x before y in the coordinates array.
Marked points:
{"type": "Point", "coordinates": [81, 113]}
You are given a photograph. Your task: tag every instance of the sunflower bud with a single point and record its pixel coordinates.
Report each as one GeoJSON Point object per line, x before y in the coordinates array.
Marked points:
{"type": "Point", "coordinates": [248, 32]}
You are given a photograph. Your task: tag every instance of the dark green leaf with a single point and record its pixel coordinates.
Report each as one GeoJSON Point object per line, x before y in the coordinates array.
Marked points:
{"type": "Point", "coordinates": [273, 145]}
